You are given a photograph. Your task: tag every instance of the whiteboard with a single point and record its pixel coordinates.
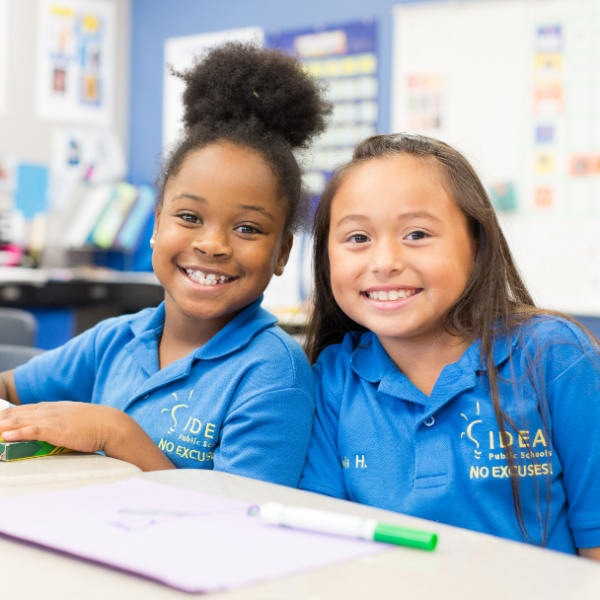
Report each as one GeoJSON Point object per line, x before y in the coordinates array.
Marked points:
{"type": "Point", "coordinates": [3, 54]}
{"type": "Point", "coordinates": [515, 86]}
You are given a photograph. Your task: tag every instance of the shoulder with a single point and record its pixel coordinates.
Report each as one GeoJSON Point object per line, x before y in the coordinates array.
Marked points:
{"type": "Point", "coordinates": [281, 356]}
{"type": "Point", "coordinates": [557, 343]}
{"type": "Point", "coordinates": [334, 362]}
{"type": "Point", "coordinates": [131, 324]}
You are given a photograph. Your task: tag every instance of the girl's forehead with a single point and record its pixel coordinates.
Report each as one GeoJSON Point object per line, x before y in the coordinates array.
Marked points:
{"type": "Point", "coordinates": [392, 181]}
{"type": "Point", "coordinates": [223, 171]}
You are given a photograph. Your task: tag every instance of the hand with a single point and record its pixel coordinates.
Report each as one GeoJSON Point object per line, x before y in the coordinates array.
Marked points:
{"type": "Point", "coordinates": [74, 425]}
{"type": "Point", "coordinates": [86, 428]}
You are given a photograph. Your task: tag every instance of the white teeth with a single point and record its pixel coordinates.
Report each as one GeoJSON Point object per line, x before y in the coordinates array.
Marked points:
{"type": "Point", "coordinates": [210, 279]}
{"type": "Point", "coordinates": [391, 295]}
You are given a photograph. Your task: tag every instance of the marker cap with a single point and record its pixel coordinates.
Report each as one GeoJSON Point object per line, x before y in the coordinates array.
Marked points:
{"type": "Point", "coordinates": [392, 534]}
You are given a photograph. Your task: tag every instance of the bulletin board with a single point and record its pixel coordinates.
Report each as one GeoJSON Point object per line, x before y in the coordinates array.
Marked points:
{"type": "Point", "coordinates": [76, 61]}
{"type": "Point", "coordinates": [344, 57]}
{"type": "Point", "coordinates": [515, 85]}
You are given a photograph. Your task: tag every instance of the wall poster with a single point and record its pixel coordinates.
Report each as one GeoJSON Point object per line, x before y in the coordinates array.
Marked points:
{"type": "Point", "coordinates": [76, 60]}
{"type": "Point", "coordinates": [345, 58]}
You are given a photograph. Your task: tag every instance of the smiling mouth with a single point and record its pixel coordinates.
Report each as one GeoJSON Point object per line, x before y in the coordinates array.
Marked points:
{"type": "Point", "coordinates": [390, 295]}
{"type": "Point", "coordinates": [208, 278]}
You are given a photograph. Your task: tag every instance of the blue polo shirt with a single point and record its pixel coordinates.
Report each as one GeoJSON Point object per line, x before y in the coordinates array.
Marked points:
{"type": "Point", "coordinates": [242, 403]}
{"type": "Point", "coordinates": [379, 440]}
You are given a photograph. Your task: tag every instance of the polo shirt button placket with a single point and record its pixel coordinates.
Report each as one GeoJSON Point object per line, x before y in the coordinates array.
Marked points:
{"type": "Point", "coordinates": [429, 421]}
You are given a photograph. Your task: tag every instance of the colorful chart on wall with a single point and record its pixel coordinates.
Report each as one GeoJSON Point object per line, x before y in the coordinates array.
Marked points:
{"type": "Point", "coordinates": [180, 54]}
{"type": "Point", "coordinates": [345, 58]}
{"type": "Point", "coordinates": [3, 54]}
{"type": "Point", "coordinates": [76, 60]}
{"type": "Point", "coordinates": [515, 85]}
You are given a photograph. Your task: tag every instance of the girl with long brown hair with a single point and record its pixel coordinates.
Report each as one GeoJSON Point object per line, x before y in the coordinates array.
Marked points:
{"type": "Point", "coordinates": [442, 391]}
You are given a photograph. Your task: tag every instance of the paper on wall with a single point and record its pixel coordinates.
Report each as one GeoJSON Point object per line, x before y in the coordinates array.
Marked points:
{"type": "Point", "coordinates": [76, 60]}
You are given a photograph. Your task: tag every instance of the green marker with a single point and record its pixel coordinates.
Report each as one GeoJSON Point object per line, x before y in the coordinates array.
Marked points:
{"type": "Point", "coordinates": [345, 525]}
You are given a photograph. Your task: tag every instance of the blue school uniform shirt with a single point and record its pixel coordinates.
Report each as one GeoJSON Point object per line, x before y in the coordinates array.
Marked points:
{"type": "Point", "coordinates": [242, 403]}
{"type": "Point", "coordinates": [379, 440]}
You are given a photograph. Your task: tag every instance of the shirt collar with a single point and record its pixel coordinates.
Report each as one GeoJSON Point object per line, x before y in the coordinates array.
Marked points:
{"type": "Point", "coordinates": [371, 362]}
{"type": "Point", "coordinates": [235, 335]}
{"type": "Point", "coordinates": [501, 352]}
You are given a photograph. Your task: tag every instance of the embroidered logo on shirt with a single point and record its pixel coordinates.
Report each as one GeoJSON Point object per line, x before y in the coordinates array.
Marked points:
{"type": "Point", "coordinates": [469, 432]}
{"type": "Point", "coordinates": [194, 433]}
{"type": "Point", "coordinates": [521, 446]}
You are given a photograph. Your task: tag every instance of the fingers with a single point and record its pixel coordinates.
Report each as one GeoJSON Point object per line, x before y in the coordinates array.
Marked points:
{"type": "Point", "coordinates": [24, 434]}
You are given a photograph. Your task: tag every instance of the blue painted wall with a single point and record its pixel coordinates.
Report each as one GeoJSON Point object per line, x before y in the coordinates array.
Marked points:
{"type": "Point", "coordinates": [154, 21]}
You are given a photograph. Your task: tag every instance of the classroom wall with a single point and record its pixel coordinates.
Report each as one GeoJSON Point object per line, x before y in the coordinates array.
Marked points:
{"type": "Point", "coordinates": [154, 21]}
{"type": "Point", "coordinates": [22, 134]}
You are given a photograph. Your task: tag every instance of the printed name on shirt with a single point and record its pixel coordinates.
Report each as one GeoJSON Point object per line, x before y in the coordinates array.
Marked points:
{"type": "Point", "coordinates": [503, 445]}
{"type": "Point", "coordinates": [359, 462]}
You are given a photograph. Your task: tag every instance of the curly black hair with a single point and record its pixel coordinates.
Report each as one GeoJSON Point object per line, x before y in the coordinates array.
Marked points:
{"type": "Point", "coordinates": [255, 98]}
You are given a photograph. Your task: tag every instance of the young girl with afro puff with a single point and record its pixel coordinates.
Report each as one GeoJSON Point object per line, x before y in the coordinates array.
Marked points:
{"type": "Point", "coordinates": [206, 380]}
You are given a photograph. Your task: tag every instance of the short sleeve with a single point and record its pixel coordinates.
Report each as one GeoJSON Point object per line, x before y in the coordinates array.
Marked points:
{"type": "Point", "coordinates": [66, 373]}
{"type": "Point", "coordinates": [323, 470]}
{"type": "Point", "coordinates": [574, 402]}
{"type": "Point", "coordinates": [266, 432]}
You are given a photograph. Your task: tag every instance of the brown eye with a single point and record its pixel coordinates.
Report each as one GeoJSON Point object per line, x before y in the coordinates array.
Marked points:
{"type": "Point", "coordinates": [358, 238]}
{"type": "Point", "coordinates": [247, 229]}
{"type": "Point", "coordinates": [416, 235]}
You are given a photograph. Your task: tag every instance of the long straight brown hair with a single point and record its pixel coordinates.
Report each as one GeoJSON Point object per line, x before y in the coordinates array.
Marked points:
{"type": "Point", "coordinates": [493, 306]}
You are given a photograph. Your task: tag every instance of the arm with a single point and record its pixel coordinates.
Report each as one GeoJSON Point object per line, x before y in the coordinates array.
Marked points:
{"type": "Point", "coordinates": [8, 391]}
{"type": "Point", "coordinates": [323, 471]}
{"type": "Point", "coordinates": [86, 428]}
{"type": "Point", "coordinates": [266, 437]}
{"type": "Point", "coordinates": [574, 403]}
{"type": "Point", "coordinates": [593, 553]}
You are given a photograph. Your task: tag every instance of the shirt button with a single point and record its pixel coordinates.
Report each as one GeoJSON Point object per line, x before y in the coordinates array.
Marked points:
{"type": "Point", "coordinates": [429, 421]}
{"type": "Point", "coordinates": [146, 396]}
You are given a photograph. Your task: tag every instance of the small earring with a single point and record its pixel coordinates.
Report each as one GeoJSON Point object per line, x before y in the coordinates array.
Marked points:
{"type": "Point", "coordinates": [152, 240]}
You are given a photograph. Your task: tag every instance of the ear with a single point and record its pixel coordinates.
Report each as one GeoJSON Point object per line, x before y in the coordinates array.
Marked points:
{"type": "Point", "coordinates": [156, 224]}
{"type": "Point", "coordinates": [284, 253]}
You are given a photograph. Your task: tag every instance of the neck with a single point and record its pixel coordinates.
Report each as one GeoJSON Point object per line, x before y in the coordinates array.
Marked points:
{"type": "Point", "coordinates": [182, 333]}
{"type": "Point", "coordinates": [423, 358]}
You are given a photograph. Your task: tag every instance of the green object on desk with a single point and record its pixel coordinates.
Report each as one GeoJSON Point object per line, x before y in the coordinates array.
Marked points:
{"type": "Point", "coordinates": [392, 534]}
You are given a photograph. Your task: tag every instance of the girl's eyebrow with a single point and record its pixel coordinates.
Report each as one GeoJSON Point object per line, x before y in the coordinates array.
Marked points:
{"type": "Point", "coordinates": [260, 209]}
{"type": "Point", "coordinates": [420, 214]}
{"type": "Point", "coordinates": [189, 197]}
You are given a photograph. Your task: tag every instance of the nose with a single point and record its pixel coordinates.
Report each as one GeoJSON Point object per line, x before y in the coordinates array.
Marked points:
{"type": "Point", "coordinates": [387, 257]}
{"type": "Point", "coordinates": [212, 243]}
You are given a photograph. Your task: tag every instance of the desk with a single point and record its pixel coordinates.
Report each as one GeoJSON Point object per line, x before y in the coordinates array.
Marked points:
{"type": "Point", "coordinates": [57, 472]}
{"type": "Point", "coordinates": [465, 566]}
{"type": "Point", "coordinates": [91, 294]}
